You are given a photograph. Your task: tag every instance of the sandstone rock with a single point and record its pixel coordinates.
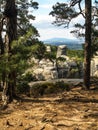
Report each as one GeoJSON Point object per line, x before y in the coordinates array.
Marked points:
{"type": "Point", "coordinates": [48, 48]}
{"type": "Point", "coordinates": [94, 66]}
{"type": "Point", "coordinates": [61, 50]}
{"type": "Point", "coordinates": [46, 69]}
{"type": "Point", "coordinates": [96, 74]}
{"type": "Point", "coordinates": [50, 73]}
{"type": "Point", "coordinates": [38, 73]}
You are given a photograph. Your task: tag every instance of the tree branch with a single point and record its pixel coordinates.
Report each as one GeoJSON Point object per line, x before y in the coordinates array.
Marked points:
{"type": "Point", "coordinates": [81, 11]}
{"type": "Point", "coordinates": [74, 2]}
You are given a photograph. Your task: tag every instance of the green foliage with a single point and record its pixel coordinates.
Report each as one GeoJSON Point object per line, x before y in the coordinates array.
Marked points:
{"type": "Point", "coordinates": [20, 50]}
{"type": "Point", "coordinates": [25, 15]}
{"type": "Point", "coordinates": [38, 50]}
{"type": "Point", "coordinates": [16, 55]}
{"type": "Point", "coordinates": [51, 55]}
{"type": "Point", "coordinates": [63, 13]}
{"type": "Point", "coordinates": [78, 31]}
{"type": "Point", "coordinates": [48, 88]}
{"type": "Point", "coordinates": [94, 45]}
{"type": "Point", "coordinates": [61, 59]}
{"type": "Point", "coordinates": [18, 61]}
{"type": "Point", "coordinates": [22, 84]}
{"type": "Point", "coordinates": [21, 53]}
{"type": "Point", "coordinates": [78, 54]}
{"type": "Point", "coordinates": [53, 51]}
{"type": "Point", "coordinates": [23, 88]}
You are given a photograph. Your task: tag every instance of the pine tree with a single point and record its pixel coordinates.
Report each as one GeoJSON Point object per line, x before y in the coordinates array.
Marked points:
{"type": "Point", "coordinates": [10, 14]}
{"type": "Point", "coordinates": [64, 13]}
{"type": "Point", "coordinates": [19, 44]}
{"type": "Point", "coordinates": [87, 55]}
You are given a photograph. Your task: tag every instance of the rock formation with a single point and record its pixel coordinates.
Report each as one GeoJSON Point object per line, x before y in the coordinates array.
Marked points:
{"type": "Point", "coordinates": [61, 67]}
{"type": "Point", "coordinates": [94, 66]}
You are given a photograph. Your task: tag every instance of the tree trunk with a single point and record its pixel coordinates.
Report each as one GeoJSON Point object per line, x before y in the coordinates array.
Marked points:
{"type": "Point", "coordinates": [10, 13]}
{"type": "Point", "coordinates": [1, 49]}
{"type": "Point", "coordinates": [87, 59]}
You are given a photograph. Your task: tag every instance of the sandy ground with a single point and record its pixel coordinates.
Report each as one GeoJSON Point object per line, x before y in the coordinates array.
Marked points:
{"type": "Point", "coordinates": [73, 110]}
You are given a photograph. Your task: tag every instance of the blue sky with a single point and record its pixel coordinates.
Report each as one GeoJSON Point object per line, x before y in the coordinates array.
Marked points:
{"type": "Point", "coordinates": [43, 21]}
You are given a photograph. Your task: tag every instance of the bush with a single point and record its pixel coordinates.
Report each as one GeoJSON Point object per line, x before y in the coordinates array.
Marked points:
{"type": "Point", "coordinates": [39, 89]}
{"type": "Point", "coordinates": [22, 85]}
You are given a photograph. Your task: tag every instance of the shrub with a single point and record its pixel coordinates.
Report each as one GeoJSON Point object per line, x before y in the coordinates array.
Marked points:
{"type": "Point", "coordinates": [39, 89]}
{"type": "Point", "coordinates": [22, 85]}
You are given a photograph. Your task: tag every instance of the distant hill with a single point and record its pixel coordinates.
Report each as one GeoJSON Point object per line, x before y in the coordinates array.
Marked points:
{"type": "Point", "coordinates": [70, 43]}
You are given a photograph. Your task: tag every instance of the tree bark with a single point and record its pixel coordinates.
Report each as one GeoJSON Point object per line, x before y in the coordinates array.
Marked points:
{"type": "Point", "coordinates": [1, 49]}
{"type": "Point", "coordinates": [10, 13]}
{"type": "Point", "coordinates": [87, 58]}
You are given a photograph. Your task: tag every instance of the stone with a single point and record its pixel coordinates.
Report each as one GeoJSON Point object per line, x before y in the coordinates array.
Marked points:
{"type": "Point", "coordinates": [61, 50]}
{"type": "Point", "coordinates": [62, 67]}
{"type": "Point", "coordinates": [94, 66]}
{"type": "Point", "coordinates": [48, 48]}
{"type": "Point", "coordinates": [96, 74]}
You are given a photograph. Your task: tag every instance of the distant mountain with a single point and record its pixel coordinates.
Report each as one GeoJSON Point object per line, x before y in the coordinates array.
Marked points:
{"type": "Point", "coordinates": [70, 43]}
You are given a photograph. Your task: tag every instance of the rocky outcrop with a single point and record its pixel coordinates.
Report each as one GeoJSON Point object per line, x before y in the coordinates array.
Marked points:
{"type": "Point", "coordinates": [45, 70]}
{"type": "Point", "coordinates": [61, 67]}
{"type": "Point", "coordinates": [61, 52]}
{"type": "Point", "coordinates": [94, 66]}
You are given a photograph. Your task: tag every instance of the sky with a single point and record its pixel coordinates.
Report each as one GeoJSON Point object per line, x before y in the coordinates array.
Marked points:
{"type": "Point", "coordinates": [44, 25]}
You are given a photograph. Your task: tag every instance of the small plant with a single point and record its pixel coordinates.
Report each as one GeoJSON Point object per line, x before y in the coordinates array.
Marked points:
{"type": "Point", "coordinates": [48, 88]}
{"type": "Point", "coordinates": [22, 86]}
{"type": "Point", "coordinates": [37, 90]}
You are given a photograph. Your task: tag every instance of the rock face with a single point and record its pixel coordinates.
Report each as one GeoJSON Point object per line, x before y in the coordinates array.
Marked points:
{"type": "Point", "coordinates": [61, 50]}
{"type": "Point", "coordinates": [48, 48]}
{"type": "Point", "coordinates": [45, 70]}
{"type": "Point", "coordinates": [61, 67]}
{"type": "Point", "coordinates": [94, 66]}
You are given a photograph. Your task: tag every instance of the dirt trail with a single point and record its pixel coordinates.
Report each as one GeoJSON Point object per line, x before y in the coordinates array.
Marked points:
{"type": "Point", "coordinates": [73, 110]}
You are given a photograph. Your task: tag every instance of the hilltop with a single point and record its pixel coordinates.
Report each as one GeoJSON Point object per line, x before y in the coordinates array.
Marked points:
{"type": "Point", "coordinates": [71, 43]}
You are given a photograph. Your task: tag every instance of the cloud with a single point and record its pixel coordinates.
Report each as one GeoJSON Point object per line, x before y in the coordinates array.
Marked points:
{"type": "Point", "coordinates": [43, 18]}
{"type": "Point", "coordinates": [44, 21]}
{"type": "Point", "coordinates": [46, 6]}
{"type": "Point", "coordinates": [46, 30]}
{"type": "Point", "coordinates": [55, 32]}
